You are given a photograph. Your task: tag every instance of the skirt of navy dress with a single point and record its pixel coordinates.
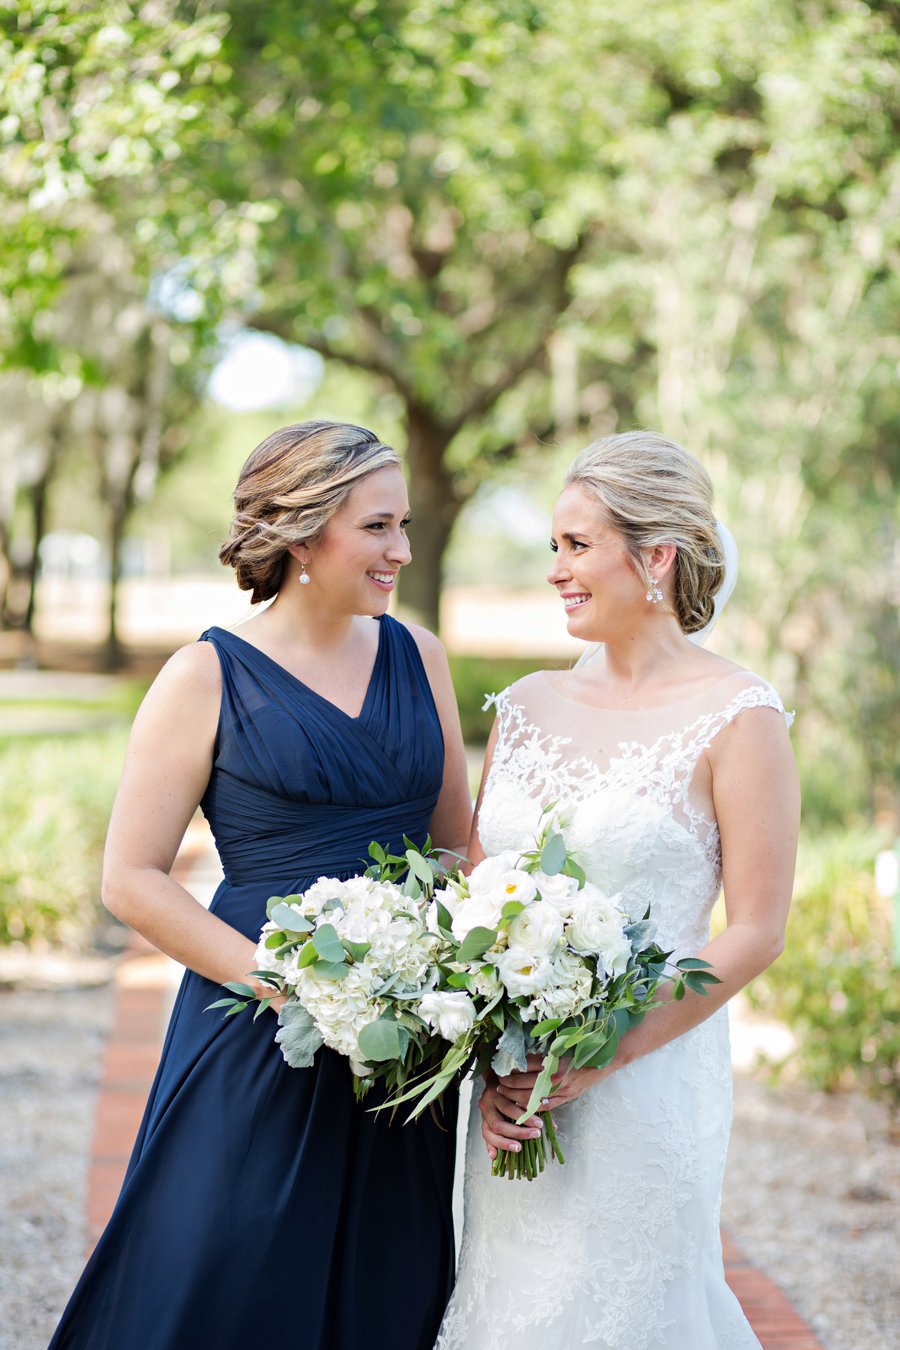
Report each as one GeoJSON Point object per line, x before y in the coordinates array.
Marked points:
{"type": "Point", "coordinates": [262, 1205]}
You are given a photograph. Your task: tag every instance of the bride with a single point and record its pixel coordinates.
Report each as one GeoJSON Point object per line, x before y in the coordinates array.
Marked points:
{"type": "Point", "coordinates": [672, 772]}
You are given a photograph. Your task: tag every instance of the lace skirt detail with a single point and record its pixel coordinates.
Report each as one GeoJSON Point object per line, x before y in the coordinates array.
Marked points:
{"type": "Point", "coordinates": [619, 1248]}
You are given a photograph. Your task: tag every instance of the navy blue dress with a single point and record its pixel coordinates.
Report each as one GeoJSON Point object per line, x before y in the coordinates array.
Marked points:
{"type": "Point", "coordinates": [262, 1205]}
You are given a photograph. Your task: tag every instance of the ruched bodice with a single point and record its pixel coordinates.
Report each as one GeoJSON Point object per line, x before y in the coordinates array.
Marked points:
{"type": "Point", "coordinates": [298, 787]}
{"type": "Point", "coordinates": [250, 1179]}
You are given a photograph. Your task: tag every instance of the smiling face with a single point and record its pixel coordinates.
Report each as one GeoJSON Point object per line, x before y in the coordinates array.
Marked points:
{"type": "Point", "coordinates": [354, 566]}
{"type": "Point", "coordinates": [593, 571]}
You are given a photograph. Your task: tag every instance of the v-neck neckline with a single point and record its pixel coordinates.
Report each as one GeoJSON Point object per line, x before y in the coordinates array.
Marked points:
{"type": "Point", "coordinates": [295, 679]}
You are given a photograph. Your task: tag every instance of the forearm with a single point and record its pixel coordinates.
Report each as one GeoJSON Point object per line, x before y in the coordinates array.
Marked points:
{"type": "Point", "coordinates": [168, 916]}
{"type": "Point", "coordinates": [736, 957]}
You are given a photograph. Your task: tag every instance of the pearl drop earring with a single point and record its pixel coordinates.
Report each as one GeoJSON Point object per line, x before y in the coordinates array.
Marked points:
{"type": "Point", "coordinates": [654, 595]}
{"type": "Point", "coordinates": [305, 578]}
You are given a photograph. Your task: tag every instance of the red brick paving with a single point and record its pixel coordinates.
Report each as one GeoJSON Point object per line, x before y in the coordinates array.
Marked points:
{"type": "Point", "coordinates": [143, 996]}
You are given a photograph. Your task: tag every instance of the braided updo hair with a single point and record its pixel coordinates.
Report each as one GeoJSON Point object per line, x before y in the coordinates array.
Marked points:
{"type": "Point", "coordinates": [289, 488]}
{"type": "Point", "coordinates": [655, 492]}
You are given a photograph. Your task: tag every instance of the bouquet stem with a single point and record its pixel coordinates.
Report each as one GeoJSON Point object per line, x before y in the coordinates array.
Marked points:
{"type": "Point", "coordinates": [533, 1156]}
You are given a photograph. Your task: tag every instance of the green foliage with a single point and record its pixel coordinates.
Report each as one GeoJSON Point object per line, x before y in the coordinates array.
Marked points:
{"type": "Point", "coordinates": [835, 985]}
{"type": "Point", "coordinates": [55, 799]}
{"type": "Point", "coordinates": [474, 677]}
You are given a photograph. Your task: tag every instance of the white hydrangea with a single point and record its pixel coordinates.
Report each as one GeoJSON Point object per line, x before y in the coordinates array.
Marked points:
{"type": "Point", "coordinates": [567, 992]}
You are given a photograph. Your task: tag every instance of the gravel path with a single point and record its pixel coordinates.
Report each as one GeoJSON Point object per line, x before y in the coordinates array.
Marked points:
{"type": "Point", "coordinates": [812, 1193]}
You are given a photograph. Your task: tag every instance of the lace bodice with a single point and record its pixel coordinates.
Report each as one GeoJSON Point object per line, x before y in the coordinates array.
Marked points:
{"type": "Point", "coordinates": [626, 786]}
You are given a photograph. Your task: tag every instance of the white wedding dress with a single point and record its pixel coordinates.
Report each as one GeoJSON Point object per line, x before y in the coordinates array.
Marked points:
{"type": "Point", "coordinates": [619, 1248]}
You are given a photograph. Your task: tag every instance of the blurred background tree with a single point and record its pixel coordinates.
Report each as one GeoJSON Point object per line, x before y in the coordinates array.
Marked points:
{"type": "Point", "coordinates": [504, 231]}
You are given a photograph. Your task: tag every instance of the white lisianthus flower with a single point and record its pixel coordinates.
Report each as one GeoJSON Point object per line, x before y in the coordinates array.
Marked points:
{"type": "Point", "coordinates": [537, 929]}
{"type": "Point", "coordinates": [490, 872]}
{"type": "Point", "coordinates": [476, 911]}
{"type": "Point", "coordinates": [523, 972]}
{"type": "Point", "coordinates": [558, 891]}
{"type": "Point", "coordinates": [517, 885]}
{"type": "Point", "coordinates": [451, 1014]}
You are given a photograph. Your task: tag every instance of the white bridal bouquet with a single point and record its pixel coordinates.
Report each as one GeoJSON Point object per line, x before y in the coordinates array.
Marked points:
{"type": "Point", "coordinates": [535, 960]}
{"type": "Point", "coordinates": [522, 957]}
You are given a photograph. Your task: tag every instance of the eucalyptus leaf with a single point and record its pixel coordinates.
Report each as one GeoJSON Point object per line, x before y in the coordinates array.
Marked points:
{"type": "Point", "coordinates": [511, 909]}
{"type": "Point", "coordinates": [290, 920]}
{"type": "Point", "coordinates": [275, 939]}
{"type": "Point", "coordinates": [328, 944]}
{"type": "Point", "coordinates": [298, 1035]}
{"type": "Point", "coordinates": [308, 956]}
{"type": "Point", "coordinates": [332, 970]}
{"type": "Point", "coordinates": [383, 1040]}
{"type": "Point", "coordinates": [358, 950]}
{"type": "Point", "coordinates": [553, 855]}
{"type": "Point", "coordinates": [237, 987]}
{"type": "Point", "coordinates": [419, 867]}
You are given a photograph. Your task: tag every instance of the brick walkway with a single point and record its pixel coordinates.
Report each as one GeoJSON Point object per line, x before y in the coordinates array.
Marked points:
{"type": "Point", "coordinates": [144, 990]}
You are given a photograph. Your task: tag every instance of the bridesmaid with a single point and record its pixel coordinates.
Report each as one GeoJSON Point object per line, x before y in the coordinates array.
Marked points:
{"type": "Point", "coordinates": [261, 1200]}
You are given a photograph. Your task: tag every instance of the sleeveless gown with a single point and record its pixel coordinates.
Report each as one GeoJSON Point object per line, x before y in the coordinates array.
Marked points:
{"type": "Point", "coordinates": [261, 1201]}
{"type": "Point", "coordinates": [619, 1248]}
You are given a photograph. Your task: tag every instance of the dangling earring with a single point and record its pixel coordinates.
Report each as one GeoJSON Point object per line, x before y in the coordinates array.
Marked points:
{"type": "Point", "coordinates": [305, 578]}
{"type": "Point", "coordinates": [654, 595]}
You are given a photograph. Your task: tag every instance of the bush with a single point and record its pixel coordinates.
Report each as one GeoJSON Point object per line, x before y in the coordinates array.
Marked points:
{"type": "Point", "coordinates": [835, 985]}
{"type": "Point", "coordinates": [55, 798]}
{"type": "Point", "coordinates": [476, 676]}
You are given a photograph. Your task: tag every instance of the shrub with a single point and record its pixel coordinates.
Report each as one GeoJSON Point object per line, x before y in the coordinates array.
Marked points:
{"type": "Point", "coordinates": [835, 985]}
{"type": "Point", "coordinates": [55, 799]}
{"type": "Point", "coordinates": [476, 676]}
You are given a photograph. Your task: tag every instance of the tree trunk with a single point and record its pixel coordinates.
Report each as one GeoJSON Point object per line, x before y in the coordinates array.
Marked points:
{"type": "Point", "coordinates": [39, 495]}
{"type": "Point", "coordinates": [114, 652]}
{"type": "Point", "coordinates": [434, 507]}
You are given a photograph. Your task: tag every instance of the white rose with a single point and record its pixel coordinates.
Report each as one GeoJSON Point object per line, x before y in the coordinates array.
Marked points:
{"type": "Point", "coordinates": [537, 929]}
{"type": "Point", "coordinates": [476, 911]}
{"type": "Point", "coordinates": [597, 928]}
{"type": "Point", "coordinates": [523, 972]}
{"type": "Point", "coordinates": [451, 1014]}
{"type": "Point", "coordinates": [558, 891]}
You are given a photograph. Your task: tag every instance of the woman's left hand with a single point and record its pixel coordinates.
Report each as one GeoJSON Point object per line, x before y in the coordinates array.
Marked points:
{"type": "Point", "coordinates": [568, 1083]}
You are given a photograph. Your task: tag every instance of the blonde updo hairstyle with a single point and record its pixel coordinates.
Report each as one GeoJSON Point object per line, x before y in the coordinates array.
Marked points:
{"type": "Point", "coordinates": [654, 492]}
{"type": "Point", "coordinates": [288, 490]}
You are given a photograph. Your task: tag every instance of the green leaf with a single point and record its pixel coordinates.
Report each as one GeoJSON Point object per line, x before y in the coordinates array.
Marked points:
{"type": "Point", "coordinates": [692, 963]}
{"type": "Point", "coordinates": [544, 1028]}
{"type": "Point", "coordinates": [553, 856]}
{"type": "Point", "coordinates": [476, 943]}
{"type": "Point", "coordinates": [298, 1035]}
{"type": "Point", "coordinates": [511, 909]}
{"type": "Point", "coordinates": [308, 956]}
{"type": "Point", "coordinates": [419, 867]}
{"type": "Point", "coordinates": [383, 1040]}
{"type": "Point", "coordinates": [237, 987]}
{"type": "Point", "coordinates": [332, 970]}
{"type": "Point", "coordinates": [238, 1007]}
{"type": "Point", "coordinates": [275, 939]}
{"type": "Point", "coordinates": [290, 920]}
{"type": "Point", "coordinates": [263, 1004]}
{"type": "Point", "coordinates": [509, 1056]}
{"type": "Point", "coordinates": [573, 870]}
{"type": "Point", "coordinates": [460, 979]}
{"type": "Point", "coordinates": [378, 853]}
{"type": "Point", "coordinates": [445, 919]}
{"type": "Point", "coordinates": [222, 1003]}
{"type": "Point", "coordinates": [272, 901]}
{"type": "Point", "coordinates": [699, 979]}
{"type": "Point", "coordinates": [678, 990]}
{"type": "Point", "coordinates": [358, 950]}
{"type": "Point", "coordinates": [328, 944]}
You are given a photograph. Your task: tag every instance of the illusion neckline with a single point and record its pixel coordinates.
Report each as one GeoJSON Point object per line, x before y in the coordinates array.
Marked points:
{"type": "Point", "coordinates": [653, 708]}
{"type": "Point", "coordinates": [307, 688]}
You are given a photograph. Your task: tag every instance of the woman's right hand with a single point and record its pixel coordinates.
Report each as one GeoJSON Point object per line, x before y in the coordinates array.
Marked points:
{"type": "Point", "coordinates": [498, 1117]}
